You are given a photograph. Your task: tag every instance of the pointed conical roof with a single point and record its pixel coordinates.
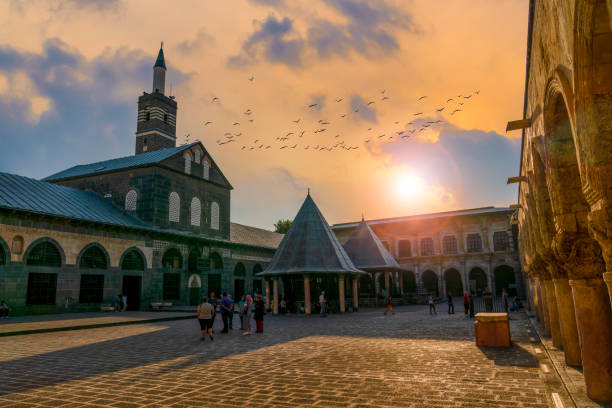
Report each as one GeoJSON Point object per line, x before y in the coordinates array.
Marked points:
{"type": "Point", "coordinates": [309, 247]}
{"type": "Point", "coordinates": [160, 62]}
{"type": "Point", "coordinates": [367, 252]}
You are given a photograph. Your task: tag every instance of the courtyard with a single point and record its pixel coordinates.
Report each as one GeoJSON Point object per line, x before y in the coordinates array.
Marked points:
{"type": "Point", "coordinates": [362, 359]}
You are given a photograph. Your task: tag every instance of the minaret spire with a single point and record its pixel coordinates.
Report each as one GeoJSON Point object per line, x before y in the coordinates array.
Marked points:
{"type": "Point", "coordinates": [159, 71]}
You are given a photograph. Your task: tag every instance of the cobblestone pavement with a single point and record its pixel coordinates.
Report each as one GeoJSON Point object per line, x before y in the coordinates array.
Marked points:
{"type": "Point", "coordinates": [361, 359]}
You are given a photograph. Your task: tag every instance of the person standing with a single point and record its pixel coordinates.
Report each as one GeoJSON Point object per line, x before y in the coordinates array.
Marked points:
{"type": "Point", "coordinates": [215, 303]}
{"type": "Point", "coordinates": [466, 304]}
{"type": "Point", "coordinates": [505, 299]}
{"type": "Point", "coordinates": [471, 305]}
{"type": "Point", "coordinates": [322, 304]}
{"type": "Point", "coordinates": [260, 309]}
{"type": "Point", "coordinates": [4, 310]}
{"type": "Point", "coordinates": [241, 308]}
{"type": "Point", "coordinates": [226, 304]}
{"type": "Point", "coordinates": [248, 314]}
{"type": "Point", "coordinates": [205, 313]}
{"type": "Point", "coordinates": [283, 306]}
{"type": "Point", "coordinates": [432, 305]}
{"type": "Point", "coordinates": [451, 306]}
{"type": "Point", "coordinates": [231, 313]}
{"type": "Point", "coordinates": [124, 299]}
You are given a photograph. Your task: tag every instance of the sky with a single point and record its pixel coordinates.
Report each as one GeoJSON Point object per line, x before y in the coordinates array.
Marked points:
{"type": "Point", "coordinates": [71, 72]}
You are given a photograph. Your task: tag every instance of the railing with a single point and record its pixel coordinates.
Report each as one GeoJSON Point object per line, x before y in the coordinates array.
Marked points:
{"type": "Point", "coordinates": [492, 304]}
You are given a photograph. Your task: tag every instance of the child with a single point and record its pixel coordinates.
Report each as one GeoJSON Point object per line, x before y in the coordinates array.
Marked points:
{"type": "Point", "coordinates": [389, 307]}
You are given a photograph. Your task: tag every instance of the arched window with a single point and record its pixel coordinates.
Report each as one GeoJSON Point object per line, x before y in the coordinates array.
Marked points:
{"type": "Point", "coordinates": [130, 200]}
{"type": "Point", "coordinates": [172, 259]}
{"type": "Point", "coordinates": [427, 247]}
{"type": "Point", "coordinates": [474, 243]}
{"type": "Point", "coordinates": [93, 258]}
{"type": "Point", "coordinates": [196, 211]}
{"type": "Point", "coordinates": [404, 248]}
{"type": "Point", "coordinates": [500, 241]}
{"type": "Point", "coordinates": [206, 169]}
{"type": "Point", "coordinates": [187, 163]}
{"type": "Point", "coordinates": [214, 215]}
{"type": "Point", "coordinates": [133, 261]}
{"type": "Point", "coordinates": [196, 156]}
{"type": "Point", "coordinates": [174, 207]}
{"type": "Point", "coordinates": [44, 254]}
{"type": "Point", "coordinates": [449, 244]}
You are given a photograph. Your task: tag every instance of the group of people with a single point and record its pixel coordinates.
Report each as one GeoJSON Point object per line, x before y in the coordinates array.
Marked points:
{"type": "Point", "coordinates": [120, 303]}
{"type": "Point", "coordinates": [468, 303]}
{"type": "Point", "coordinates": [247, 308]}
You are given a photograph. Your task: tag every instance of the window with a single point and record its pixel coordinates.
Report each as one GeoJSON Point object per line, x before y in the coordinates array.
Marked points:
{"type": "Point", "coordinates": [172, 259]}
{"type": "Point", "coordinates": [172, 286]}
{"type": "Point", "coordinates": [147, 118]}
{"type": "Point", "coordinates": [196, 156]}
{"type": "Point", "coordinates": [93, 258]}
{"type": "Point", "coordinates": [165, 118]}
{"type": "Point", "coordinates": [174, 206]}
{"type": "Point", "coordinates": [132, 261]}
{"type": "Point", "coordinates": [214, 216]}
{"type": "Point", "coordinates": [92, 289]}
{"type": "Point", "coordinates": [187, 163]}
{"type": "Point", "coordinates": [41, 288]}
{"type": "Point", "coordinates": [44, 254]}
{"type": "Point", "coordinates": [474, 243]}
{"type": "Point", "coordinates": [449, 244]}
{"type": "Point", "coordinates": [500, 241]}
{"type": "Point", "coordinates": [196, 211]}
{"type": "Point", "coordinates": [404, 248]}
{"type": "Point", "coordinates": [206, 167]}
{"type": "Point", "coordinates": [130, 200]}
{"type": "Point", "coordinates": [17, 245]}
{"type": "Point", "coordinates": [427, 247]}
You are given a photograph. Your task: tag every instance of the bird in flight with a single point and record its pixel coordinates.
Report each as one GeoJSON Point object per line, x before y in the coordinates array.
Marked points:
{"type": "Point", "coordinates": [381, 136]}
{"type": "Point", "coordinates": [251, 120]}
{"type": "Point", "coordinates": [369, 129]}
{"type": "Point", "coordinates": [396, 122]}
{"type": "Point", "coordinates": [236, 123]}
{"type": "Point", "coordinates": [449, 99]}
{"type": "Point", "coordinates": [337, 136]}
{"type": "Point", "coordinates": [456, 110]}
{"type": "Point", "coordinates": [294, 146]}
{"type": "Point", "coordinates": [297, 120]}
{"type": "Point", "coordinates": [422, 97]}
{"type": "Point", "coordinates": [284, 147]}
{"type": "Point", "coordinates": [249, 112]}
{"type": "Point", "coordinates": [371, 103]}
{"type": "Point", "coordinates": [468, 97]}
{"type": "Point", "coordinates": [268, 147]}
{"type": "Point", "coordinates": [343, 115]}
{"type": "Point", "coordinates": [289, 134]}
{"type": "Point", "coordinates": [215, 99]}
{"type": "Point", "coordinates": [301, 133]}
{"type": "Point", "coordinates": [243, 147]}
{"type": "Point", "coordinates": [461, 103]}
{"type": "Point", "coordinates": [356, 110]}
{"type": "Point", "coordinates": [323, 122]}
{"type": "Point", "coordinates": [339, 100]}
{"type": "Point", "coordinates": [441, 109]}
{"type": "Point", "coordinates": [312, 105]}
{"type": "Point", "coordinates": [405, 136]}
{"type": "Point", "coordinates": [368, 140]}
{"type": "Point", "coordinates": [252, 78]}
{"type": "Point", "coordinates": [384, 98]}
{"type": "Point", "coordinates": [238, 134]}
{"type": "Point", "coordinates": [256, 141]}
{"type": "Point", "coordinates": [207, 123]}
{"type": "Point", "coordinates": [477, 92]}
{"type": "Point", "coordinates": [419, 113]}
{"type": "Point", "coordinates": [383, 91]}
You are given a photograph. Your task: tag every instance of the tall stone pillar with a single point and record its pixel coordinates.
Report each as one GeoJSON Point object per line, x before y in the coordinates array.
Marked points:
{"type": "Point", "coordinates": [567, 322]}
{"type": "Point", "coordinates": [306, 295]}
{"type": "Point", "coordinates": [341, 293]}
{"type": "Point", "coordinates": [594, 322]}
{"type": "Point", "coordinates": [543, 308]}
{"type": "Point", "coordinates": [355, 295]}
{"type": "Point", "coordinates": [553, 314]}
{"type": "Point", "coordinates": [267, 294]}
{"type": "Point", "coordinates": [387, 283]}
{"type": "Point", "coordinates": [275, 305]}
{"type": "Point", "coordinates": [401, 283]}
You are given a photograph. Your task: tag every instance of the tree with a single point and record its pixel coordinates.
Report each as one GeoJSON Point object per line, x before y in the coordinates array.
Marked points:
{"type": "Point", "coordinates": [282, 226]}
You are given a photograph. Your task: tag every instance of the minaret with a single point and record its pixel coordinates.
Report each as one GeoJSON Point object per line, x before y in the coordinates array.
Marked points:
{"type": "Point", "coordinates": [156, 123]}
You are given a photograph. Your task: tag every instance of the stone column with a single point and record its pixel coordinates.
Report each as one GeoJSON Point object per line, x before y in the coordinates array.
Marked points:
{"type": "Point", "coordinates": [306, 295]}
{"type": "Point", "coordinates": [355, 295]}
{"type": "Point", "coordinates": [341, 293]}
{"type": "Point", "coordinates": [594, 321]}
{"type": "Point", "coordinates": [267, 294]}
{"type": "Point", "coordinates": [544, 308]}
{"type": "Point", "coordinates": [387, 283]}
{"type": "Point", "coordinates": [608, 279]}
{"type": "Point", "coordinates": [567, 322]}
{"type": "Point", "coordinates": [275, 306]}
{"type": "Point", "coordinates": [401, 283]}
{"type": "Point", "coordinates": [553, 314]}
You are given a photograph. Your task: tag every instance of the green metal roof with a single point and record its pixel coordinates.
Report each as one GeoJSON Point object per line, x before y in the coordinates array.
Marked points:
{"type": "Point", "coordinates": [367, 252]}
{"type": "Point", "coordinates": [160, 62]}
{"type": "Point", "coordinates": [137, 160]}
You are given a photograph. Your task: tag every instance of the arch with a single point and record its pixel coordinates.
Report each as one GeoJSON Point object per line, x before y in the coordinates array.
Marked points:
{"type": "Point", "coordinates": [427, 246]}
{"type": "Point", "coordinates": [196, 156]}
{"type": "Point", "coordinates": [187, 157]}
{"type": "Point", "coordinates": [452, 278]}
{"type": "Point", "coordinates": [504, 278]}
{"type": "Point", "coordinates": [256, 269]}
{"type": "Point", "coordinates": [172, 259]}
{"type": "Point", "coordinates": [404, 248]}
{"type": "Point", "coordinates": [214, 215]}
{"type": "Point", "coordinates": [449, 244]}
{"type": "Point", "coordinates": [17, 247]}
{"type": "Point", "coordinates": [205, 169]}
{"type": "Point", "coordinates": [367, 286]}
{"type": "Point", "coordinates": [430, 282]}
{"type": "Point", "coordinates": [473, 242]}
{"type": "Point", "coordinates": [133, 259]}
{"type": "Point", "coordinates": [45, 252]}
{"type": "Point", "coordinates": [196, 211]}
{"type": "Point", "coordinates": [131, 199]}
{"type": "Point", "coordinates": [239, 269]}
{"type": "Point", "coordinates": [409, 281]}
{"type": "Point", "coordinates": [478, 280]}
{"type": "Point", "coordinates": [5, 255]}
{"type": "Point", "coordinates": [239, 283]}
{"type": "Point", "coordinates": [174, 207]}
{"type": "Point", "coordinates": [93, 256]}
{"type": "Point", "coordinates": [216, 262]}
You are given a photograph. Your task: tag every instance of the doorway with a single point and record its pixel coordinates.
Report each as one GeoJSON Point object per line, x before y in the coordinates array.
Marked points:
{"type": "Point", "coordinates": [131, 289]}
{"type": "Point", "coordinates": [238, 289]}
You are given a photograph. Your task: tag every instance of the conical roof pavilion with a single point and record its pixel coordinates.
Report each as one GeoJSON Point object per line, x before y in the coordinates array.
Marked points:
{"type": "Point", "coordinates": [310, 247]}
{"type": "Point", "coordinates": [367, 252]}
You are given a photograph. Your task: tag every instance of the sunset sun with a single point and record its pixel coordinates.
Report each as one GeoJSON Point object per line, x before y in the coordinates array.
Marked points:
{"type": "Point", "coordinates": [408, 186]}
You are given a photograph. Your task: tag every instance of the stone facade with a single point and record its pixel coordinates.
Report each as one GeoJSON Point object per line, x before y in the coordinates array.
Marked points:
{"type": "Point", "coordinates": [565, 219]}
{"type": "Point", "coordinates": [433, 250]}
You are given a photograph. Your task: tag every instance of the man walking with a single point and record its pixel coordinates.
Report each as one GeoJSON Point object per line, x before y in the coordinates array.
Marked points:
{"type": "Point", "coordinates": [226, 305]}
{"type": "Point", "coordinates": [322, 302]}
{"type": "Point", "coordinates": [451, 306]}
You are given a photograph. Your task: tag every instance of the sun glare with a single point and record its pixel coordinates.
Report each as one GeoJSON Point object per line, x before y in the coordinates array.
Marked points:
{"type": "Point", "coordinates": [408, 186]}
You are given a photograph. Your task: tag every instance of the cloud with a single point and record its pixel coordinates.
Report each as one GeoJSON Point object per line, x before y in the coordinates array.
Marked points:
{"type": "Point", "coordinates": [67, 5]}
{"type": "Point", "coordinates": [273, 40]}
{"type": "Point", "coordinates": [202, 39]}
{"type": "Point", "coordinates": [366, 112]}
{"type": "Point", "coordinates": [68, 108]}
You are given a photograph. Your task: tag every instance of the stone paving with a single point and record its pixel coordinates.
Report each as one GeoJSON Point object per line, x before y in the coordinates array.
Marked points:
{"type": "Point", "coordinates": [361, 359]}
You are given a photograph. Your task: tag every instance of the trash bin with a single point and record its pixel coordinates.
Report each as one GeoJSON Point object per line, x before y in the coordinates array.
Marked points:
{"type": "Point", "coordinates": [492, 330]}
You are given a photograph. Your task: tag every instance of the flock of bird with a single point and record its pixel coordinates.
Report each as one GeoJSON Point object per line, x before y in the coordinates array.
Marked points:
{"type": "Point", "coordinates": [297, 136]}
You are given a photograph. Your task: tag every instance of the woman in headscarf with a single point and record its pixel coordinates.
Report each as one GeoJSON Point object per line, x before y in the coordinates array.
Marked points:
{"type": "Point", "coordinates": [248, 314]}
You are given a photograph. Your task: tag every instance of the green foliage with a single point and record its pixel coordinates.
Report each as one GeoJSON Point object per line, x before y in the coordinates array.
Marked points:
{"type": "Point", "coordinates": [282, 226]}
